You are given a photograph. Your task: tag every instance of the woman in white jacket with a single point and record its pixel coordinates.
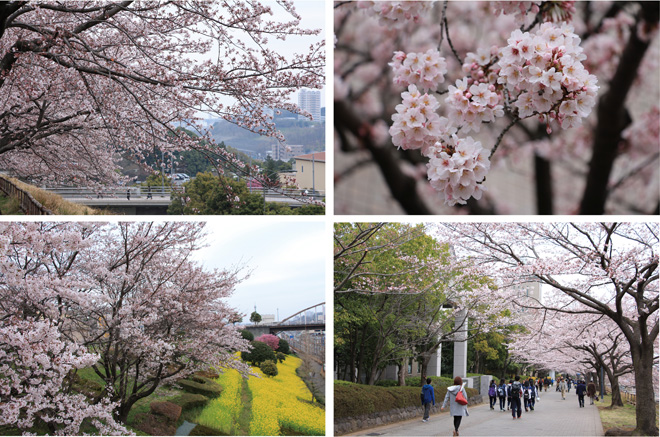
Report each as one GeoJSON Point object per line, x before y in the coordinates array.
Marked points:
{"type": "Point", "coordinates": [455, 409]}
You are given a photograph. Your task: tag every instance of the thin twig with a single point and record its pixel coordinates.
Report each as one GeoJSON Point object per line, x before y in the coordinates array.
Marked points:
{"type": "Point", "coordinates": [499, 138]}
{"type": "Point", "coordinates": [446, 25]}
{"type": "Point", "coordinates": [633, 171]}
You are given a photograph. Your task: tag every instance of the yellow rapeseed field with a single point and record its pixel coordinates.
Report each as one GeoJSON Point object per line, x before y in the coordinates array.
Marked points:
{"type": "Point", "coordinates": [281, 403]}
{"type": "Point", "coordinates": [222, 412]}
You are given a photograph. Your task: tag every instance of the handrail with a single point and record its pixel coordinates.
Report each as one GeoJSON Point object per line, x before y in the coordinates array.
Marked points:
{"type": "Point", "coordinates": [28, 204]}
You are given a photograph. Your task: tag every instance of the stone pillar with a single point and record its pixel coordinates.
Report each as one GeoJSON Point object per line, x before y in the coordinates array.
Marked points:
{"type": "Point", "coordinates": [484, 384]}
{"type": "Point", "coordinates": [433, 368]}
{"type": "Point", "coordinates": [460, 345]}
{"type": "Point", "coordinates": [552, 374]}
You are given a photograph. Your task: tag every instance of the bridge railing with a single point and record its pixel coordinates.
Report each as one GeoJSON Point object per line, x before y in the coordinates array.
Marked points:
{"type": "Point", "coordinates": [28, 204]}
{"type": "Point", "coordinates": [289, 192]}
{"type": "Point", "coordinates": [139, 192]}
{"type": "Point", "coordinates": [113, 192]}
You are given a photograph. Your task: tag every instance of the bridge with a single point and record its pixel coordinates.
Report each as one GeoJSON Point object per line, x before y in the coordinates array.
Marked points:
{"type": "Point", "coordinates": [306, 330]}
{"type": "Point", "coordinates": [144, 201]}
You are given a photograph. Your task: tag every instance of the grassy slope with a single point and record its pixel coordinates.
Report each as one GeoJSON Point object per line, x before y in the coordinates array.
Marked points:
{"type": "Point", "coordinates": [619, 417]}
{"type": "Point", "coordinates": [56, 203]}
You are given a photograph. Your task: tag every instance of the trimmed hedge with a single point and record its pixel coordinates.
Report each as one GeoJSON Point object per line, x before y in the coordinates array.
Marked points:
{"type": "Point", "coordinates": [201, 386]}
{"type": "Point", "coordinates": [357, 399]}
{"type": "Point", "coordinates": [189, 400]}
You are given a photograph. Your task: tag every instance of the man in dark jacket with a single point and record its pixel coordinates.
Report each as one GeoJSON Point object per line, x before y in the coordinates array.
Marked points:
{"type": "Point", "coordinates": [581, 389]}
{"type": "Point", "coordinates": [428, 398]}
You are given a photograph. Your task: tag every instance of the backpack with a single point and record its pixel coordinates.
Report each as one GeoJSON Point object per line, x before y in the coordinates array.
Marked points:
{"type": "Point", "coordinates": [515, 389]}
{"type": "Point", "coordinates": [500, 391]}
{"type": "Point", "coordinates": [492, 391]}
{"type": "Point", "coordinates": [526, 394]}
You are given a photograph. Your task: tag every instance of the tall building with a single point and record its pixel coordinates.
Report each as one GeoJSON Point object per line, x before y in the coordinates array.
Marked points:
{"type": "Point", "coordinates": [310, 101]}
{"type": "Point", "coordinates": [284, 152]}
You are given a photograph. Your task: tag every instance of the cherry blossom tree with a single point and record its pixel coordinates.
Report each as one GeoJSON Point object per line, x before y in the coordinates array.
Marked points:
{"type": "Point", "coordinates": [610, 269]}
{"type": "Point", "coordinates": [87, 83]}
{"type": "Point", "coordinates": [585, 343]}
{"type": "Point", "coordinates": [399, 294]}
{"type": "Point", "coordinates": [35, 365]}
{"type": "Point", "coordinates": [564, 93]}
{"type": "Point", "coordinates": [271, 340]}
{"type": "Point", "coordinates": [126, 294]}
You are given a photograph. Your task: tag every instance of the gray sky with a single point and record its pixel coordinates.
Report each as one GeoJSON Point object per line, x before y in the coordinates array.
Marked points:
{"type": "Point", "coordinates": [287, 259]}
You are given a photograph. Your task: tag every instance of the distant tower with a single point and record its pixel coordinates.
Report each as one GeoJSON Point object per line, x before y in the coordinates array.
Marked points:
{"type": "Point", "coordinates": [310, 101]}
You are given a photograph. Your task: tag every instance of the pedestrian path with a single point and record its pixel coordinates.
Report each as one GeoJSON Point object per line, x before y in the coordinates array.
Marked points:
{"type": "Point", "coordinates": [552, 417]}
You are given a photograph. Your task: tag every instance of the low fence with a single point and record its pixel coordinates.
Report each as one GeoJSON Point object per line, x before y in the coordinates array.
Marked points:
{"type": "Point", "coordinates": [28, 204]}
{"type": "Point", "coordinates": [630, 398]}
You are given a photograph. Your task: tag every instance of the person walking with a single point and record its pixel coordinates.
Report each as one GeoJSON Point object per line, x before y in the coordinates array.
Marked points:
{"type": "Point", "coordinates": [492, 394]}
{"type": "Point", "coordinates": [526, 396]}
{"type": "Point", "coordinates": [428, 398]}
{"type": "Point", "coordinates": [580, 390]}
{"type": "Point", "coordinates": [455, 409]}
{"type": "Point", "coordinates": [591, 391]}
{"type": "Point", "coordinates": [561, 386]}
{"type": "Point", "coordinates": [501, 394]}
{"type": "Point", "coordinates": [532, 394]}
{"type": "Point", "coordinates": [568, 383]}
{"type": "Point", "coordinates": [516, 394]}
{"type": "Point", "coordinates": [508, 394]}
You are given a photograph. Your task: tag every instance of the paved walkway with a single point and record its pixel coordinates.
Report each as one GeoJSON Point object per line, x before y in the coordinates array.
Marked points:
{"type": "Point", "coordinates": [552, 417]}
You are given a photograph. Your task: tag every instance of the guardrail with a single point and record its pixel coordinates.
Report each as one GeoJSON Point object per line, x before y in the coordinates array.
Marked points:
{"type": "Point", "coordinates": [28, 204]}
{"type": "Point", "coordinates": [139, 192]}
{"type": "Point", "coordinates": [116, 192]}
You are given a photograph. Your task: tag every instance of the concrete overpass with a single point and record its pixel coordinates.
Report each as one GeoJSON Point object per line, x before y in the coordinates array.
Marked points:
{"type": "Point", "coordinates": [142, 201]}
{"type": "Point", "coordinates": [296, 322]}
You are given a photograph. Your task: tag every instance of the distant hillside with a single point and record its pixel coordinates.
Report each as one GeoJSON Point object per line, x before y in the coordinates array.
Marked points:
{"type": "Point", "coordinates": [309, 134]}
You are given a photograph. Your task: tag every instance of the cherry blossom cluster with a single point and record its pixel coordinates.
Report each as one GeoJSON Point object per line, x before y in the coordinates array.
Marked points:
{"type": "Point", "coordinates": [471, 105]}
{"type": "Point", "coordinates": [416, 124]}
{"type": "Point", "coordinates": [426, 70]}
{"type": "Point", "coordinates": [393, 13]}
{"type": "Point", "coordinates": [457, 169]}
{"type": "Point", "coordinates": [544, 70]}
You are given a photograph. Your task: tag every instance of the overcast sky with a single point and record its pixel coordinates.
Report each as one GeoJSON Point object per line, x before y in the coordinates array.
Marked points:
{"type": "Point", "coordinates": [287, 259]}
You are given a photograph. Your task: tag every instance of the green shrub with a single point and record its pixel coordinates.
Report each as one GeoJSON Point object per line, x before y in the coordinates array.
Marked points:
{"type": "Point", "coordinates": [206, 387]}
{"type": "Point", "coordinates": [414, 381]}
{"type": "Point", "coordinates": [260, 352]}
{"type": "Point", "coordinates": [358, 399]}
{"type": "Point", "coordinates": [269, 368]}
{"type": "Point", "coordinates": [189, 400]}
{"type": "Point", "coordinates": [389, 383]}
{"type": "Point", "coordinates": [247, 335]}
{"type": "Point", "coordinates": [284, 347]}
{"type": "Point", "coordinates": [280, 357]}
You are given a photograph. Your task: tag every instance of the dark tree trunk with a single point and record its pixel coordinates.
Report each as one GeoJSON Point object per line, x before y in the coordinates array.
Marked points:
{"type": "Point", "coordinates": [403, 371]}
{"type": "Point", "coordinates": [426, 358]}
{"type": "Point", "coordinates": [544, 204]}
{"type": "Point", "coordinates": [613, 116]}
{"type": "Point", "coordinates": [645, 405]}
